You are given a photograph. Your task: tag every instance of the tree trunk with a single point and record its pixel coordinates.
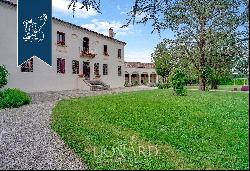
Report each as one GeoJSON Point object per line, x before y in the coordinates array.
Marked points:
{"type": "Point", "coordinates": [202, 85]}
{"type": "Point", "coordinates": [202, 55]}
{"type": "Point", "coordinates": [214, 85]}
{"type": "Point", "coordinates": [163, 79]}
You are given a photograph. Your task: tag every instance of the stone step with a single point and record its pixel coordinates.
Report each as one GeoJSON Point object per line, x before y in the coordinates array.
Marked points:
{"type": "Point", "coordinates": [98, 85]}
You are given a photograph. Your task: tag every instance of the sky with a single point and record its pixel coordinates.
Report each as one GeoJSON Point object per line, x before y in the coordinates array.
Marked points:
{"type": "Point", "coordinates": [140, 41]}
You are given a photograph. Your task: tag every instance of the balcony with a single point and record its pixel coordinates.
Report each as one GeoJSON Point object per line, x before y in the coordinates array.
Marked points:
{"type": "Point", "coordinates": [105, 53]}
{"type": "Point", "coordinates": [61, 43]}
{"type": "Point", "coordinates": [85, 54]}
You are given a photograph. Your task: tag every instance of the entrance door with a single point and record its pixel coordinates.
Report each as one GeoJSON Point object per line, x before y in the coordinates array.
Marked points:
{"type": "Point", "coordinates": [86, 70]}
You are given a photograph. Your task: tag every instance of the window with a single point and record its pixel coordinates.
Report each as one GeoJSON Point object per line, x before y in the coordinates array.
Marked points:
{"type": "Point", "coordinates": [105, 50]}
{"type": "Point", "coordinates": [60, 38]}
{"type": "Point", "coordinates": [105, 69]}
{"type": "Point", "coordinates": [27, 66]}
{"type": "Point", "coordinates": [119, 53]}
{"type": "Point", "coordinates": [119, 70]}
{"type": "Point", "coordinates": [85, 45]}
{"type": "Point", "coordinates": [96, 68]}
{"type": "Point", "coordinates": [75, 66]}
{"type": "Point", "coordinates": [61, 65]}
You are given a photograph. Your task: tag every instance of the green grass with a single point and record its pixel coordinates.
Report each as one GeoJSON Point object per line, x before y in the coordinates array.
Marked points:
{"type": "Point", "coordinates": [156, 130]}
{"type": "Point", "coordinates": [220, 87]}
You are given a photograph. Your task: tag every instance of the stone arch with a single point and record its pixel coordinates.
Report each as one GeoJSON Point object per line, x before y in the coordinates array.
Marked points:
{"type": "Point", "coordinates": [135, 78]}
{"type": "Point", "coordinates": [127, 75]}
{"type": "Point", "coordinates": [144, 78]}
{"type": "Point", "coordinates": [153, 77]}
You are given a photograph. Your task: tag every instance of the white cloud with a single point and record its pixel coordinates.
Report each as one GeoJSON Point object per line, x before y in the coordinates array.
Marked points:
{"type": "Point", "coordinates": [61, 6]}
{"type": "Point", "coordinates": [139, 17]}
{"type": "Point", "coordinates": [103, 27]}
{"type": "Point", "coordinates": [125, 11]}
{"type": "Point", "coordinates": [138, 56]}
{"type": "Point", "coordinates": [118, 8]}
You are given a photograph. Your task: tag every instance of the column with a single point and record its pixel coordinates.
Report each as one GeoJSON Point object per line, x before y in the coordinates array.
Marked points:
{"type": "Point", "coordinates": [139, 79]}
{"type": "Point", "coordinates": [149, 78]}
{"type": "Point", "coordinates": [157, 79]}
{"type": "Point", "coordinates": [129, 78]}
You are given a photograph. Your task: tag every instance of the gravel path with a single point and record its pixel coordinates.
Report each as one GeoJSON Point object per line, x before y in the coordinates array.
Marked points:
{"type": "Point", "coordinates": [26, 140]}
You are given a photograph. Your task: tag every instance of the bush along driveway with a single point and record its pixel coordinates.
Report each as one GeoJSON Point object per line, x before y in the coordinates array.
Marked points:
{"type": "Point", "coordinates": [27, 140]}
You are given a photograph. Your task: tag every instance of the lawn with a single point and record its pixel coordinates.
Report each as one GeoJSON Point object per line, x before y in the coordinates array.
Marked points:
{"type": "Point", "coordinates": [156, 130]}
{"type": "Point", "coordinates": [220, 87]}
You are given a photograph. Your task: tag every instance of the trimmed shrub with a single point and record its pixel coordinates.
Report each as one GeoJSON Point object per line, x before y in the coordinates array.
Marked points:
{"type": "Point", "coordinates": [231, 81]}
{"type": "Point", "coordinates": [240, 81]}
{"type": "Point", "coordinates": [163, 85]}
{"type": "Point", "coordinates": [12, 98]}
{"type": "Point", "coordinates": [178, 79]}
{"type": "Point", "coordinates": [127, 84]}
{"type": "Point", "coordinates": [226, 81]}
{"type": "Point", "coordinates": [135, 83]}
{"type": "Point", "coordinates": [3, 76]}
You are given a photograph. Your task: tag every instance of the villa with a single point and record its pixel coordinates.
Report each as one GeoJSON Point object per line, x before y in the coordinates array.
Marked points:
{"type": "Point", "coordinates": [81, 58]}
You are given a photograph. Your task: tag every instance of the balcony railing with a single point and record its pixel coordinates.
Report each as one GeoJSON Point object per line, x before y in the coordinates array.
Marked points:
{"type": "Point", "coordinates": [87, 54]}
{"type": "Point", "coordinates": [61, 43]}
{"type": "Point", "coordinates": [105, 53]}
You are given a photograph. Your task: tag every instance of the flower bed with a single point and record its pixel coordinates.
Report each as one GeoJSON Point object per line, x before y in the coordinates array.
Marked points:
{"type": "Point", "coordinates": [87, 54]}
{"type": "Point", "coordinates": [244, 88]}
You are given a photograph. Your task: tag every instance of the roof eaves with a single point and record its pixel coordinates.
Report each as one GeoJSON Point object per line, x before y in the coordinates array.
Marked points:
{"type": "Point", "coordinates": [82, 28]}
{"type": "Point", "coordinates": [85, 29]}
{"type": "Point", "coordinates": [9, 3]}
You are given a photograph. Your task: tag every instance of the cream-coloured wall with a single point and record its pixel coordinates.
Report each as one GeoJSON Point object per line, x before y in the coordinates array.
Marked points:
{"type": "Point", "coordinates": [46, 78]}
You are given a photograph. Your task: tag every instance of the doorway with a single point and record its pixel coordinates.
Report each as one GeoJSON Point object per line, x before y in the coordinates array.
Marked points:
{"type": "Point", "coordinates": [86, 70]}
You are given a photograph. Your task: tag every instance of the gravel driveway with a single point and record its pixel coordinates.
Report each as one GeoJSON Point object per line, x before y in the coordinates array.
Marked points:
{"type": "Point", "coordinates": [26, 140]}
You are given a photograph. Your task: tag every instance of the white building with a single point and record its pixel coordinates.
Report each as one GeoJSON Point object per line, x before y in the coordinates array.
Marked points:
{"type": "Point", "coordinates": [78, 54]}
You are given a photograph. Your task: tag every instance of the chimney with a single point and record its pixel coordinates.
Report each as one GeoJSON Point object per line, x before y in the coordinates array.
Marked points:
{"type": "Point", "coordinates": [111, 33]}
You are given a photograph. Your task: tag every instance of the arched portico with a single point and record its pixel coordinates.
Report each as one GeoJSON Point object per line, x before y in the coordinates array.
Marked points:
{"type": "Point", "coordinates": [144, 78]}
{"type": "Point", "coordinates": [135, 78]}
{"type": "Point", "coordinates": [140, 76]}
{"type": "Point", "coordinates": [153, 77]}
{"type": "Point", "coordinates": [127, 77]}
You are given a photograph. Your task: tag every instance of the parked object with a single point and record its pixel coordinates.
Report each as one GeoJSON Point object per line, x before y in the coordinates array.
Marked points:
{"type": "Point", "coordinates": [235, 89]}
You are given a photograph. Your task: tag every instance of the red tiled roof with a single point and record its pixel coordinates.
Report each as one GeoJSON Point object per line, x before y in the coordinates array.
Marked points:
{"type": "Point", "coordinates": [85, 29]}
{"type": "Point", "coordinates": [139, 65]}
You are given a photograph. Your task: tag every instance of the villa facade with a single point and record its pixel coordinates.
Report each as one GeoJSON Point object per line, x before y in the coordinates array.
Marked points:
{"type": "Point", "coordinates": [137, 73]}
{"type": "Point", "coordinates": [78, 54]}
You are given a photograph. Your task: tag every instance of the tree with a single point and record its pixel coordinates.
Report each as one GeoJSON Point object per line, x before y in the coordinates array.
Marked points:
{"type": "Point", "coordinates": [221, 54]}
{"type": "Point", "coordinates": [191, 20]}
{"type": "Point", "coordinates": [95, 4]}
{"type": "Point", "coordinates": [178, 81]}
{"type": "Point", "coordinates": [3, 76]}
{"type": "Point", "coordinates": [163, 61]}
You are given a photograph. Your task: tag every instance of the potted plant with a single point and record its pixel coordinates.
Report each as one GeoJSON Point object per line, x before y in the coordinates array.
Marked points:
{"type": "Point", "coordinates": [81, 75]}
{"type": "Point", "coordinates": [106, 54]}
{"type": "Point", "coordinates": [61, 43]}
{"type": "Point", "coordinates": [98, 76]}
